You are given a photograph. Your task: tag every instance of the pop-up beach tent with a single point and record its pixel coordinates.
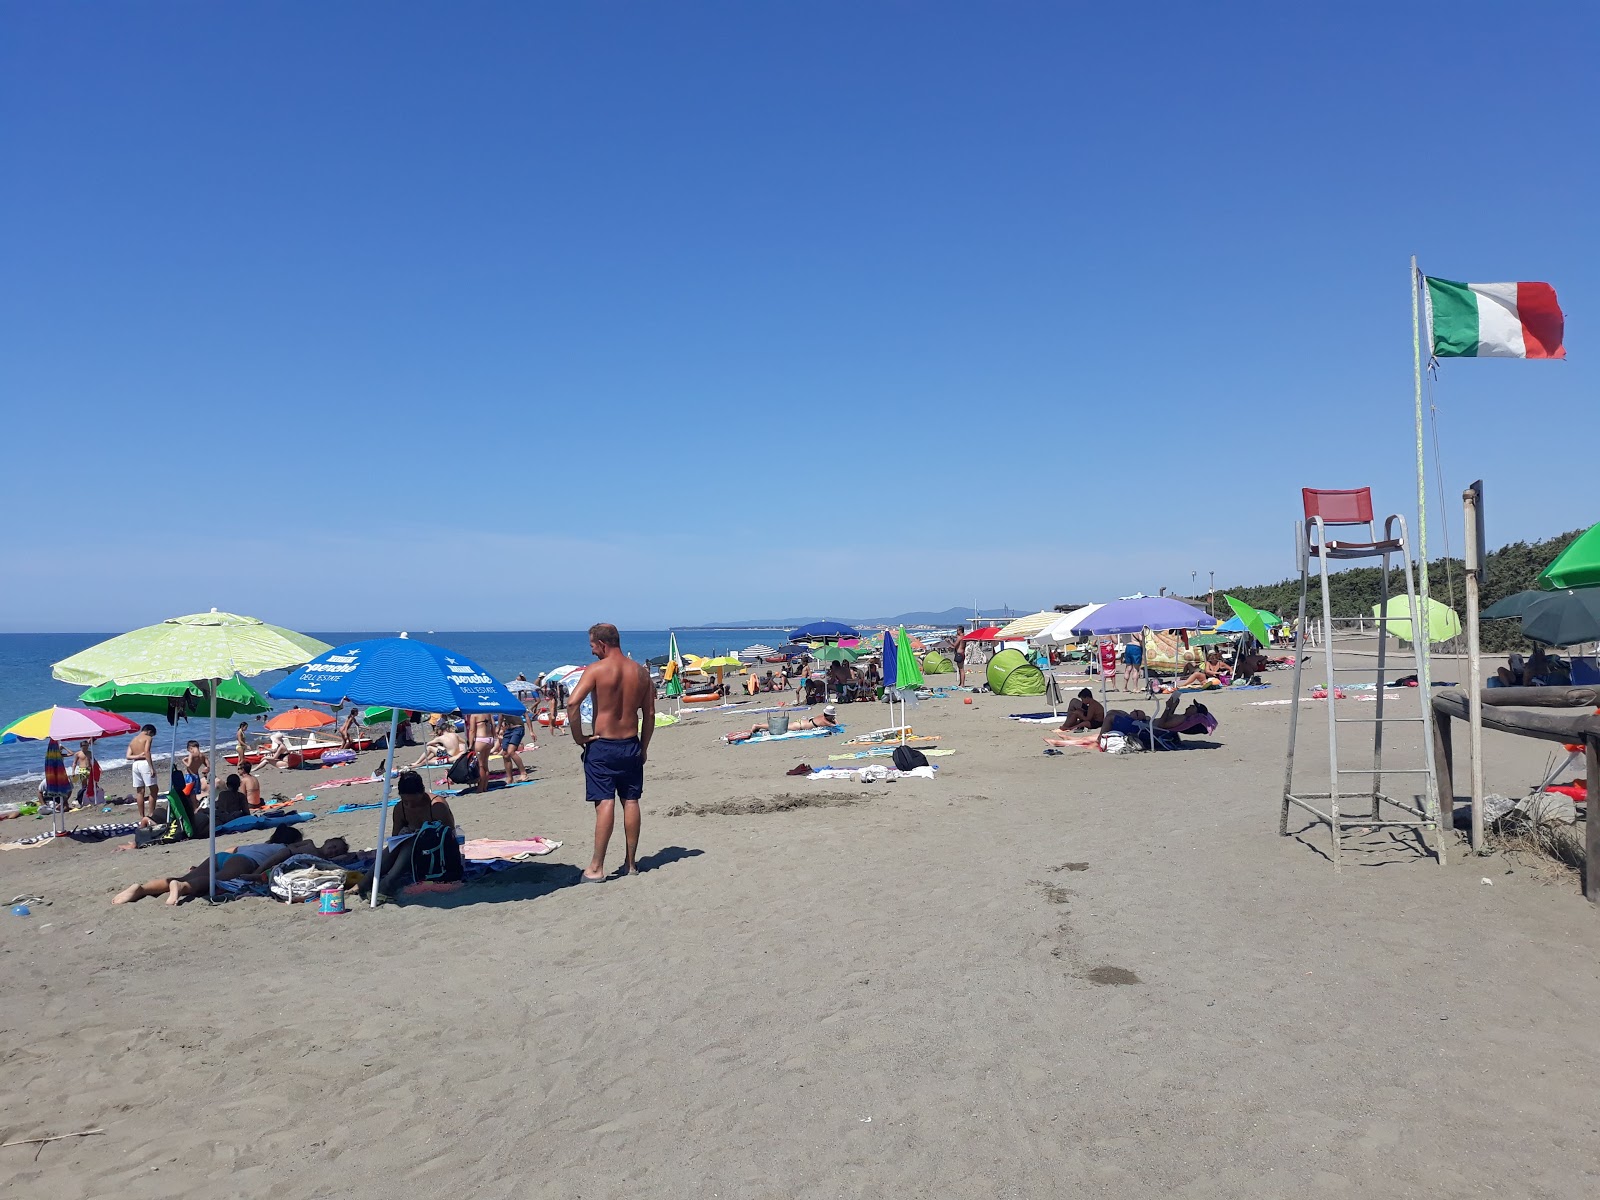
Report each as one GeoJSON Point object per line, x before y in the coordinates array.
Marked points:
{"type": "Point", "coordinates": [935, 663]}
{"type": "Point", "coordinates": [1011, 674]}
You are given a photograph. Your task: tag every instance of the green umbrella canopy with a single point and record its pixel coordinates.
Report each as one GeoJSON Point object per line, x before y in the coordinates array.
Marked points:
{"type": "Point", "coordinates": [1565, 618]}
{"type": "Point", "coordinates": [1443, 624]}
{"type": "Point", "coordinates": [1211, 639]}
{"type": "Point", "coordinates": [235, 697]}
{"type": "Point", "coordinates": [907, 671]}
{"type": "Point", "coordinates": [211, 645]}
{"type": "Point", "coordinates": [1577, 566]}
{"type": "Point", "coordinates": [838, 654]}
{"type": "Point", "coordinates": [1252, 618]}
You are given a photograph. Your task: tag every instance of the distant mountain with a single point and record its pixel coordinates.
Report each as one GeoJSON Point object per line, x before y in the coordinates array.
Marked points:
{"type": "Point", "coordinates": [950, 616]}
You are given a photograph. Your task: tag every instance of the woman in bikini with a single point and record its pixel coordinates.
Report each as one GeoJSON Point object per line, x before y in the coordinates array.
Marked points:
{"type": "Point", "coordinates": [481, 737]}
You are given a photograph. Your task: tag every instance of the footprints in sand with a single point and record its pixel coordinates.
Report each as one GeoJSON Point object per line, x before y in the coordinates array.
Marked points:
{"type": "Point", "coordinates": [1065, 948]}
{"type": "Point", "coordinates": [766, 804]}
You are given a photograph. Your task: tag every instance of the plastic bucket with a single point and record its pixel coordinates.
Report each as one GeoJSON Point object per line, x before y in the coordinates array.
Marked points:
{"type": "Point", "coordinates": [777, 723]}
{"type": "Point", "coordinates": [332, 899]}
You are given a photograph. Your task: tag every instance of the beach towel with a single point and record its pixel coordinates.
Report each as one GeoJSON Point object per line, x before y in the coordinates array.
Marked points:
{"type": "Point", "coordinates": [56, 783]}
{"type": "Point", "coordinates": [496, 786]}
{"type": "Point", "coordinates": [99, 833]}
{"type": "Point", "coordinates": [254, 821]}
{"type": "Point", "coordinates": [783, 737]}
{"type": "Point", "coordinates": [885, 752]}
{"type": "Point", "coordinates": [872, 774]}
{"type": "Point", "coordinates": [509, 849]}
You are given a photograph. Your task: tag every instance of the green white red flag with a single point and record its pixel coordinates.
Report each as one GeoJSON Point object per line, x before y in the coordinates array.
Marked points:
{"type": "Point", "coordinates": [1494, 320]}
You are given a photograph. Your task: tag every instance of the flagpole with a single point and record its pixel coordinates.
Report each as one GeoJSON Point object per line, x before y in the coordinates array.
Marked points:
{"type": "Point", "coordinates": [1422, 643]}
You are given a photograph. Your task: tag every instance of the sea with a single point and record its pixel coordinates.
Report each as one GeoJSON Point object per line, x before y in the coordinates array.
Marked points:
{"type": "Point", "coordinates": [26, 684]}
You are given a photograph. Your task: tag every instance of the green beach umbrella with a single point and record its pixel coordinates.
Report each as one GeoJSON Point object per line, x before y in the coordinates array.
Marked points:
{"type": "Point", "coordinates": [211, 645]}
{"type": "Point", "coordinates": [845, 654]}
{"type": "Point", "coordinates": [207, 647]}
{"type": "Point", "coordinates": [1253, 619]}
{"type": "Point", "coordinates": [1443, 623]}
{"type": "Point", "coordinates": [235, 697]}
{"type": "Point", "coordinates": [907, 671]}
{"type": "Point", "coordinates": [1577, 566]}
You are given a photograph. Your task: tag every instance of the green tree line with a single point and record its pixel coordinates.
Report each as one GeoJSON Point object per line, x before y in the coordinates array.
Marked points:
{"type": "Point", "coordinates": [1512, 568]}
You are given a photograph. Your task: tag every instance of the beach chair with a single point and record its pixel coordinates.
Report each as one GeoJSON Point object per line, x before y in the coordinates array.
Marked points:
{"type": "Point", "coordinates": [1320, 538]}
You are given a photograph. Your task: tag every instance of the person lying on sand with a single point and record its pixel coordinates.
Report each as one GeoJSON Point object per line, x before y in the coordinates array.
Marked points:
{"type": "Point", "coordinates": [1196, 718]}
{"type": "Point", "coordinates": [827, 720]}
{"type": "Point", "coordinates": [242, 862]}
{"type": "Point", "coordinates": [1250, 665]}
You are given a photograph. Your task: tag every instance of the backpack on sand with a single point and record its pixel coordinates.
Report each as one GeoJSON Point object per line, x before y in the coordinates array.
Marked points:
{"type": "Point", "coordinates": [908, 759]}
{"type": "Point", "coordinates": [464, 769]}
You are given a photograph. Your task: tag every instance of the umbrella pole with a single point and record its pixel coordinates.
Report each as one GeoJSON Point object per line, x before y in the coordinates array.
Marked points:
{"type": "Point", "coordinates": [211, 793]}
{"type": "Point", "coordinates": [383, 806]}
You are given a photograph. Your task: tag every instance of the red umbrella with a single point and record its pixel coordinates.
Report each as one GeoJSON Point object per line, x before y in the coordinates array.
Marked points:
{"type": "Point", "coordinates": [985, 634]}
{"type": "Point", "coordinates": [299, 718]}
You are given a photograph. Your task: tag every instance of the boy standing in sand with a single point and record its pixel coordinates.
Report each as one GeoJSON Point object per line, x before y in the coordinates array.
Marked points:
{"type": "Point", "coordinates": [144, 771]}
{"type": "Point", "coordinates": [614, 754]}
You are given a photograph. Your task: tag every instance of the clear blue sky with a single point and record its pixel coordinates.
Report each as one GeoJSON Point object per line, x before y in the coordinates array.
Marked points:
{"type": "Point", "coordinates": [364, 315]}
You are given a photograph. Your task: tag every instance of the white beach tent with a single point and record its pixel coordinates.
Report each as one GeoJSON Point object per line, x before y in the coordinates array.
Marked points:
{"type": "Point", "coordinates": [1064, 630]}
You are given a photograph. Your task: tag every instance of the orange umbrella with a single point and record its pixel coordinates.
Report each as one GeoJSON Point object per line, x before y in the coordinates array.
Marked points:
{"type": "Point", "coordinates": [299, 718]}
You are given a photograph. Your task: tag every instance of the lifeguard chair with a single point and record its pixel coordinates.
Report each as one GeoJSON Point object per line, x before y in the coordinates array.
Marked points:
{"type": "Point", "coordinates": [1316, 541]}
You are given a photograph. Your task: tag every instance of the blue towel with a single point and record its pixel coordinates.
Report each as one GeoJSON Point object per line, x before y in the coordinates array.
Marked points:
{"type": "Point", "coordinates": [246, 824]}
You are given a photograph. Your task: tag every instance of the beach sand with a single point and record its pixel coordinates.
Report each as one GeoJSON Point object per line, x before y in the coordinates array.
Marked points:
{"type": "Point", "coordinates": [1033, 976]}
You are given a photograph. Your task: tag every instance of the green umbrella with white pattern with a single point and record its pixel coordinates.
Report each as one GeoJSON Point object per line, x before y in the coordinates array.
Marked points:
{"type": "Point", "coordinates": [203, 648]}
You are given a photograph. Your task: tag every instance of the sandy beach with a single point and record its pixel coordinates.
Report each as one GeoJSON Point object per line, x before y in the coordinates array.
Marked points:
{"type": "Point", "coordinates": [1032, 976]}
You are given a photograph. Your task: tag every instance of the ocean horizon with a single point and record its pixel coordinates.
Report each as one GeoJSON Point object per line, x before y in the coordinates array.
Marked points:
{"type": "Point", "coordinates": [26, 684]}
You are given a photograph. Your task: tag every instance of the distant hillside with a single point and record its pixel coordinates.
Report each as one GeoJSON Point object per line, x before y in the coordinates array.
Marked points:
{"type": "Point", "coordinates": [950, 616]}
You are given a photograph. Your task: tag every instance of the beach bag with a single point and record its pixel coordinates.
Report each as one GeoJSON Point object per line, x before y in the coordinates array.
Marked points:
{"type": "Point", "coordinates": [464, 769]}
{"type": "Point", "coordinates": [435, 854]}
{"type": "Point", "coordinates": [300, 878]}
{"type": "Point", "coordinates": [907, 758]}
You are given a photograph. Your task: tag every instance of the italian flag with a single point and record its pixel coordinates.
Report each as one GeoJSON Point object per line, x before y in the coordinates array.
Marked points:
{"type": "Point", "coordinates": [1494, 320]}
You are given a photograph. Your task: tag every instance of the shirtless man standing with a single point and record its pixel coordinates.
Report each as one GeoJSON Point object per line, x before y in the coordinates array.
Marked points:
{"type": "Point", "coordinates": [481, 737]}
{"type": "Point", "coordinates": [614, 754]}
{"type": "Point", "coordinates": [144, 771]}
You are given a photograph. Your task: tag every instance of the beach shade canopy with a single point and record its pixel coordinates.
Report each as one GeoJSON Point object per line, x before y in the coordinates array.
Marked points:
{"type": "Point", "coordinates": [935, 663]}
{"type": "Point", "coordinates": [66, 725]}
{"type": "Point", "coordinates": [907, 671]}
{"type": "Point", "coordinates": [398, 672]}
{"type": "Point", "coordinates": [566, 677]}
{"type": "Point", "coordinates": [1065, 628]}
{"type": "Point", "coordinates": [675, 684]}
{"type": "Point", "coordinates": [235, 698]}
{"type": "Point", "coordinates": [1443, 624]}
{"type": "Point", "coordinates": [1248, 619]}
{"type": "Point", "coordinates": [1563, 618]}
{"type": "Point", "coordinates": [1027, 627]}
{"type": "Point", "coordinates": [722, 662]}
{"type": "Point", "coordinates": [1011, 674]}
{"type": "Point", "coordinates": [1145, 612]}
{"type": "Point", "coordinates": [847, 654]}
{"type": "Point", "coordinates": [821, 631]}
{"type": "Point", "coordinates": [793, 649]}
{"type": "Point", "coordinates": [213, 645]}
{"type": "Point", "coordinates": [299, 718]}
{"type": "Point", "coordinates": [986, 634]}
{"type": "Point", "coordinates": [1578, 566]}
{"type": "Point", "coordinates": [525, 687]}
{"type": "Point", "coordinates": [401, 674]}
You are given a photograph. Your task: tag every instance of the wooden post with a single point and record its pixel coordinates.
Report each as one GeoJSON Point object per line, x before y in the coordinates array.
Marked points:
{"type": "Point", "coordinates": [1443, 762]}
{"type": "Point", "coordinates": [1472, 501]}
{"type": "Point", "coordinates": [1591, 822]}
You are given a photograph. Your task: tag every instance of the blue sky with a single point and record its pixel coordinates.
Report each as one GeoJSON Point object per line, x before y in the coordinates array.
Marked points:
{"type": "Point", "coordinates": [524, 316]}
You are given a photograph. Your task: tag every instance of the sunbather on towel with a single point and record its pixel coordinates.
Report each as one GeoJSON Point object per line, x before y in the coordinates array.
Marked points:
{"type": "Point", "coordinates": [242, 862]}
{"type": "Point", "coordinates": [827, 720]}
{"type": "Point", "coordinates": [448, 743]}
{"type": "Point", "coordinates": [1196, 718]}
{"type": "Point", "coordinates": [1211, 673]}
{"type": "Point", "coordinates": [1250, 665]}
{"type": "Point", "coordinates": [1084, 712]}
